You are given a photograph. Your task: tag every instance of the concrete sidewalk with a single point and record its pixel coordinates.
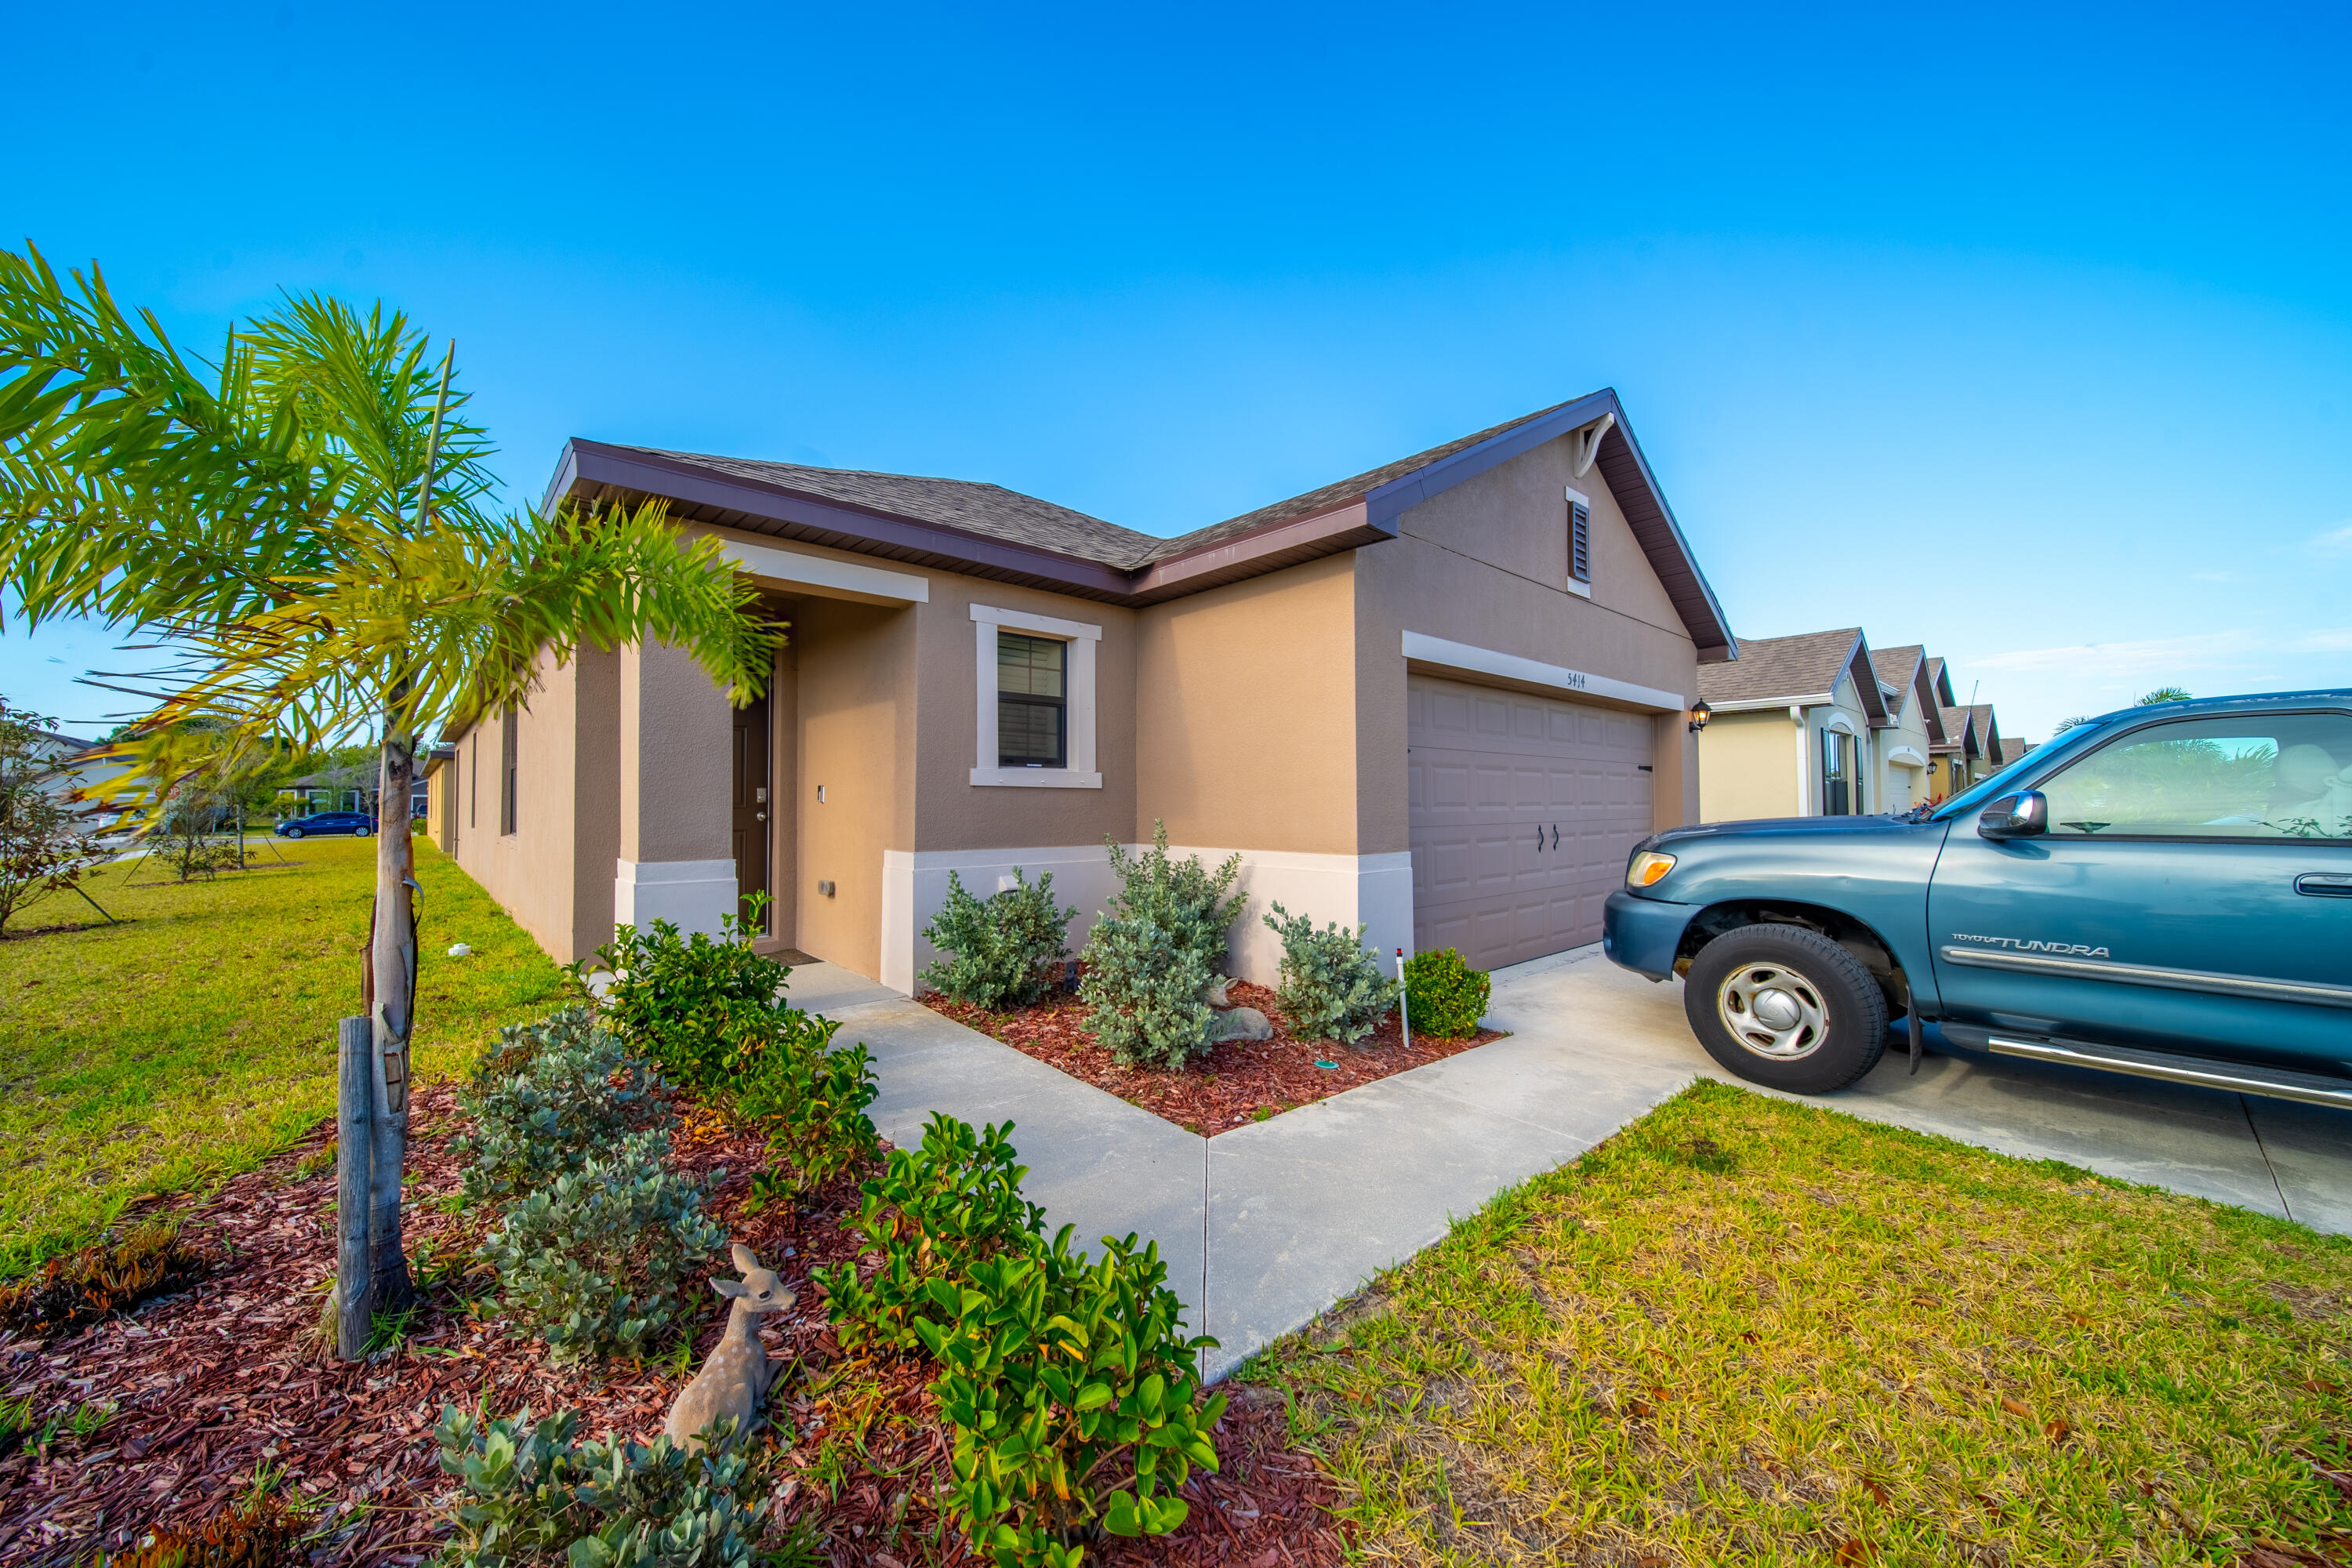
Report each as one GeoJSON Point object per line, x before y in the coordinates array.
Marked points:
{"type": "Point", "coordinates": [1266, 1226]}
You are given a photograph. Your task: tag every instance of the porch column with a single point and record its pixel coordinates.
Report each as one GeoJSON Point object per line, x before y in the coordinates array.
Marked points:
{"type": "Point", "coordinates": [677, 842]}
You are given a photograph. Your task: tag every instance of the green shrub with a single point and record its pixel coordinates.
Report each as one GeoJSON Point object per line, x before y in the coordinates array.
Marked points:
{"type": "Point", "coordinates": [1179, 897]}
{"type": "Point", "coordinates": [1444, 997]}
{"type": "Point", "coordinates": [1070, 1386]}
{"type": "Point", "coordinates": [810, 1097]}
{"type": "Point", "coordinates": [1007, 951]}
{"type": "Point", "coordinates": [531, 1493]}
{"type": "Point", "coordinates": [932, 1214]}
{"type": "Point", "coordinates": [694, 1004]}
{"type": "Point", "coordinates": [1143, 988]}
{"type": "Point", "coordinates": [597, 1260]}
{"type": "Point", "coordinates": [549, 1098]}
{"type": "Point", "coordinates": [1069, 1383]}
{"type": "Point", "coordinates": [1332, 988]}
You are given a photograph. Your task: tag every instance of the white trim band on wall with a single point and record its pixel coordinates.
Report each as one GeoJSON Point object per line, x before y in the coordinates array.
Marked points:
{"type": "Point", "coordinates": [822, 572]}
{"type": "Point", "coordinates": [1427, 649]}
{"type": "Point", "coordinates": [692, 895]}
{"type": "Point", "coordinates": [1372, 890]}
{"type": "Point", "coordinates": [1082, 640]}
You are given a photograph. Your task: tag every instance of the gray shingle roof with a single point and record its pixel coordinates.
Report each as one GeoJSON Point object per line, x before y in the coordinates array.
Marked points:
{"type": "Point", "coordinates": [1335, 494]}
{"type": "Point", "coordinates": [1958, 724]}
{"type": "Point", "coordinates": [1000, 513]}
{"type": "Point", "coordinates": [985, 529]}
{"type": "Point", "coordinates": [1897, 665]}
{"type": "Point", "coordinates": [1770, 669]}
{"type": "Point", "coordinates": [968, 505]}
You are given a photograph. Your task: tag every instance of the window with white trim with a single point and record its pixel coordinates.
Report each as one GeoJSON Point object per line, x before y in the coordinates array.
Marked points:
{"type": "Point", "coordinates": [1036, 715]}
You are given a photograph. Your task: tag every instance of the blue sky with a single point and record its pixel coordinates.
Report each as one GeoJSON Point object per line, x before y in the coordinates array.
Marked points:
{"type": "Point", "coordinates": [2027, 334]}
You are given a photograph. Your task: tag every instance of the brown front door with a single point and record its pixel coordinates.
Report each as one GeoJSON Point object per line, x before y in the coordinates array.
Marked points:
{"type": "Point", "coordinates": [753, 808]}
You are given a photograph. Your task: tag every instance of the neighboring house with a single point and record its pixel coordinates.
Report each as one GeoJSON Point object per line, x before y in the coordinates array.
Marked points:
{"type": "Point", "coordinates": [352, 787]}
{"type": "Point", "coordinates": [2012, 747]}
{"type": "Point", "coordinates": [1988, 742]}
{"type": "Point", "coordinates": [439, 810]}
{"type": "Point", "coordinates": [1793, 729]}
{"type": "Point", "coordinates": [1905, 749]}
{"type": "Point", "coordinates": [1443, 699]}
{"type": "Point", "coordinates": [76, 774]}
{"type": "Point", "coordinates": [1955, 759]}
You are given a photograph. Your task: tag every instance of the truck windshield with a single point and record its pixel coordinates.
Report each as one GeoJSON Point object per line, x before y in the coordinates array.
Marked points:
{"type": "Point", "coordinates": [2068, 742]}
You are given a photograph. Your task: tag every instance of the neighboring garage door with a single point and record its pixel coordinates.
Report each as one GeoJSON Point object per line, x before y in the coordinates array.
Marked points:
{"type": "Point", "coordinates": [1523, 812]}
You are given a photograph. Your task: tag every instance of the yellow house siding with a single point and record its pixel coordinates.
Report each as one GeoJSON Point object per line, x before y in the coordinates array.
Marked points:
{"type": "Point", "coordinates": [1748, 767]}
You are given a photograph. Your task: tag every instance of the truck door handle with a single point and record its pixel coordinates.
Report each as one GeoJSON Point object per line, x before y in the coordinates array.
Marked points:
{"type": "Point", "coordinates": [2325, 884]}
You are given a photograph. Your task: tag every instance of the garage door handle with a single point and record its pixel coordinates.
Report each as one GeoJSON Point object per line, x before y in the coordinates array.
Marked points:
{"type": "Point", "coordinates": [1538, 840]}
{"type": "Point", "coordinates": [2325, 884]}
{"type": "Point", "coordinates": [1555, 834]}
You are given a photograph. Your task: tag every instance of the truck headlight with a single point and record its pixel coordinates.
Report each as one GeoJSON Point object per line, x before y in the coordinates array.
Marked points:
{"type": "Point", "coordinates": [1647, 868]}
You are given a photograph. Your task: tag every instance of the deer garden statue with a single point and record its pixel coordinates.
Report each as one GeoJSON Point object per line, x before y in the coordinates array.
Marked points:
{"type": "Point", "coordinates": [735, 1380]}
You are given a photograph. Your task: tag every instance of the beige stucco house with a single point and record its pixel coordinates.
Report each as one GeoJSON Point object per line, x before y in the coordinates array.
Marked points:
{"type": "Point", "coordinates": [1443, 699]}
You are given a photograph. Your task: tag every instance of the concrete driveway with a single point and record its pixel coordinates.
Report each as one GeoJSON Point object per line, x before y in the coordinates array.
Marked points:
{"type": "Point", "coordinates": [1266, 1226]}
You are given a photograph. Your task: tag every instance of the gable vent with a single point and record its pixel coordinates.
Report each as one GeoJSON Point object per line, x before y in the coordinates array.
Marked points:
{"type": "Point", "coordinates": [1579, 542]}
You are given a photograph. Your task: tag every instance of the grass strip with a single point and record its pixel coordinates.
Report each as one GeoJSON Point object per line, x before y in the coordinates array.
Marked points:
{"type": "Point", "coordinates": [1745, 1330]}
{"type": "Point", "coordinates": [197, 1038]}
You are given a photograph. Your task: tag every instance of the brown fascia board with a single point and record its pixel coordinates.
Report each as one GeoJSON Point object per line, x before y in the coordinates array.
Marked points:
{"type": "Point", "coordinates": [1864, 675]}
{"type": "Point", "coordinates": [1627, 473]}
{"type": "Point", "coordinates": [592, 470]}
{"type": "Point", "coordinates": [1927, 709]}
{"type": "Point", "coordinates": [1267, 549]}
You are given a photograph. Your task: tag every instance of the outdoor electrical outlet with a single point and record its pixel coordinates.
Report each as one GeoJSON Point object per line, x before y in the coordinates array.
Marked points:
{"type": "Point", "coordinates": [824, 889]}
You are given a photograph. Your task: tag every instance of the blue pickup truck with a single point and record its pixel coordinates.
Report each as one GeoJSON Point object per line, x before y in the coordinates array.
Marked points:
{"type": "Point", "coordinates": [2165, 891]}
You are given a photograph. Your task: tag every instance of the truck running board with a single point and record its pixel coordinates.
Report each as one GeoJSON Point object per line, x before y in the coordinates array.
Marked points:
{"type": "Point", "coordinates": [2236, 1077]}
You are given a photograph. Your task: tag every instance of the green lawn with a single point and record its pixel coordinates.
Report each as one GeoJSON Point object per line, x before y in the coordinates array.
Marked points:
{"type": "Point", "coordinates": [1749, 1332]}
{"type": "Point", "coordinates": [199, 1036]}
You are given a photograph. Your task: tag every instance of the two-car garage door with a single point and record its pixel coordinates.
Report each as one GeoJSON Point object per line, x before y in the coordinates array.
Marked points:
{"type": "Point", "coordinates": [1522, 811]}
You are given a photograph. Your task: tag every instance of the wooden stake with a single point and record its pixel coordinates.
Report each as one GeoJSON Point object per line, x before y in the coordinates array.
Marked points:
{"type": "Point", "coordinates": [354, 1144]}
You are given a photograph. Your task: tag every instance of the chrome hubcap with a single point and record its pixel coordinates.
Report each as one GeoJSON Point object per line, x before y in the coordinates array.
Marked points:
{"type": "Point", "coordinates": [1772, 1010]}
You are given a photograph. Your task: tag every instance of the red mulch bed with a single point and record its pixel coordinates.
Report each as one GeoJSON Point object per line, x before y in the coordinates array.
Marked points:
{"type": "Point", "coordinates": [1236, 1083]}
{"type": "Point", "coordinates": [213, 1382]}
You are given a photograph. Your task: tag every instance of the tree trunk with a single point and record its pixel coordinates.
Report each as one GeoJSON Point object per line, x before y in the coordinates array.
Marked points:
{"type": "Point", "coordinates": [354, 1153]}
{"type": "Point", "coordinates": [393, 973]}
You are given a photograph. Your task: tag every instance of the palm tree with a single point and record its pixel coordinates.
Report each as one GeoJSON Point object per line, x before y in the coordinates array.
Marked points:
{"type": "Point", "coordinates": [305, 524]}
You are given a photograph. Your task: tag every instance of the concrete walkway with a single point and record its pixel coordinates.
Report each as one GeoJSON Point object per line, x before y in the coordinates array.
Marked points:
{"type": "Point", "coordinates": [1267, 1225]}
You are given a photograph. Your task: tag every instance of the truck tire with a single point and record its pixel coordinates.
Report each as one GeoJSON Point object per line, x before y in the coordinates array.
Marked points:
{"type": "Point", "coordinates": [1786, 1007]}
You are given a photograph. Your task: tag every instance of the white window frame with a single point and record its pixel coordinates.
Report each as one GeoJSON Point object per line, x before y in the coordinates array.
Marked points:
{"type": "Point", "coordinates": [1082, 640]}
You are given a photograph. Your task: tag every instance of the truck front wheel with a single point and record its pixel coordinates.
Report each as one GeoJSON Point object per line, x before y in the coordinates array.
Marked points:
{"type": "Point", "coordinates": [1786, 1007]}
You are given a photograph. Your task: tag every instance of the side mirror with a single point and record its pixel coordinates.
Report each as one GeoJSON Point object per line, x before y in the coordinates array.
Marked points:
{"type": "Point", "coordinates": [2026, 814]}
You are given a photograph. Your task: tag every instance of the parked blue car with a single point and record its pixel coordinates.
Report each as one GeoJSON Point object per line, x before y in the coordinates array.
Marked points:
{"type": "Point", "coordinates": [320, 824]}
{"type": "Point", "coordinates": [2165, 891]}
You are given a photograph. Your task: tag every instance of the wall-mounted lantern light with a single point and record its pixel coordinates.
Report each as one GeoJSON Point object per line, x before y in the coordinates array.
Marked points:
{"type": "Point", "coordinates": [1699, 714]}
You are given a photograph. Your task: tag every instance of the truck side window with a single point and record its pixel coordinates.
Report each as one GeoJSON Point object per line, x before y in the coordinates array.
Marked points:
{"type": "Point", "coordinates": [2248, 776]}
